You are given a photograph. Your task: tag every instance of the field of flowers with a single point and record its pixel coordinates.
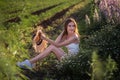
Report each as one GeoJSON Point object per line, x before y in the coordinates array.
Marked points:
{"type": "Point", "coordinates": [99, 26]}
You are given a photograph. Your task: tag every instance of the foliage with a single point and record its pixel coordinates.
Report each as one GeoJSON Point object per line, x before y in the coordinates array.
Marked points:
{"type": "Point", "coordinates": [104, 37]}
{"type": "Point", "coordinates": [15, 40]}
{"type": "Point", "coordinates": [74, 67]}
{"type": "Point", "coordinates": [102, 70]}
{"type": "Point", "coordinates": [13, 48]}
{"type": "Point", "coordinates": [106, 40]}
{"type": "Point", "coordinates": [110, 10]}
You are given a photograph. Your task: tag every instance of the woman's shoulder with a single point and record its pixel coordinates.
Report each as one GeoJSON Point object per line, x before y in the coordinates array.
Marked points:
{"type": "Point", "coordinates": [76, 36]}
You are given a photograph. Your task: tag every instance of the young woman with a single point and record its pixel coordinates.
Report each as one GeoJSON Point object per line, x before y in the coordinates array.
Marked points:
{"type": "Point", "coordinates": [69, 38]}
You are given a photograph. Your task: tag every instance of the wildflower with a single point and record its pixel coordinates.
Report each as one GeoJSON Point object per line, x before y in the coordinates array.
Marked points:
{"type": "Point", "coordinates": [87, 20]}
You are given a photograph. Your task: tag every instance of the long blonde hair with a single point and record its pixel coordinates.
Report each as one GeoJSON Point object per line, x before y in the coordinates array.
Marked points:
{"type": "Point", "coordinates": [66, 24]}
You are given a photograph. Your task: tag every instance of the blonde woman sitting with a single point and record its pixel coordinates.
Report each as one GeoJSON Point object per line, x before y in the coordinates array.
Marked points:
{"type": "Point", "coordinates": [69, 38]}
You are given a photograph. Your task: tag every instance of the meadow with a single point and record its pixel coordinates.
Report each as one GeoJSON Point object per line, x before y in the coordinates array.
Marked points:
{"type": "Point", "coordinates": [98, 23]}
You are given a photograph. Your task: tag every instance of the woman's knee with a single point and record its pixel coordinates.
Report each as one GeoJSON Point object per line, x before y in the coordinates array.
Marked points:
{"type": "Point", "coordinates": [52, 47]}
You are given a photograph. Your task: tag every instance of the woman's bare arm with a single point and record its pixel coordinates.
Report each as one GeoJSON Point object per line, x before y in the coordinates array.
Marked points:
{"type": "Point", "coordinates": [64, 43]}
{"type": "Point", "coordinates": [58, 39]}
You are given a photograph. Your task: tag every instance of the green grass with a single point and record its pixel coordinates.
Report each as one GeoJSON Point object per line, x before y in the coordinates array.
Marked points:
{"type": "Point", "coordinates": [14, 8]}
{"type": "Point", "coordinates": [15, 40]}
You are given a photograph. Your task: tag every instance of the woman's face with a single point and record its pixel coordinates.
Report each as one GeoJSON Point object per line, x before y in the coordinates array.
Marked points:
{"type": "Point", "coordinates": [71, 28]}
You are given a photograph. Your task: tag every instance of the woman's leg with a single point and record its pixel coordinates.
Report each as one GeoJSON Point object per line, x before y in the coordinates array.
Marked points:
{"type": "Point", "coordinates": [57, 51]}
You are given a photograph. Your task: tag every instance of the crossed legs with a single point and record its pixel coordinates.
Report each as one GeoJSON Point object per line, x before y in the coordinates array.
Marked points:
{"type": "Point", "coordinates": [57, 51]}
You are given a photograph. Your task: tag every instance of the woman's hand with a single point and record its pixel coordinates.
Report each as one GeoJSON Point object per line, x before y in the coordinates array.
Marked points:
{"type": "Point", "coordinates": [38, 32]}
{"type": "Point", "coordinates": [43, 36]}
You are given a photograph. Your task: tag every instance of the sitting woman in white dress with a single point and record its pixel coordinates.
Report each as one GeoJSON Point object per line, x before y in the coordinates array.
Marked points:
{"type": "Point", "coordinates": [69, 37]}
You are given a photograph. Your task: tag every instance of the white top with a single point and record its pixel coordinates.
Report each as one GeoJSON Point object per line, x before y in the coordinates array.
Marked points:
{"type": "Point", "coordinates": [73, 48]}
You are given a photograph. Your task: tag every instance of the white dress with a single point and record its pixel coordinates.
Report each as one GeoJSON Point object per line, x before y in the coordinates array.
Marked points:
{"type": "Point", "coordinates": [73, 48]}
